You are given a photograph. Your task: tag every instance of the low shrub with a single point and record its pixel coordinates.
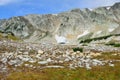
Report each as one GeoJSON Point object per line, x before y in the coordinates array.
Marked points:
{"type": "Point", "coordinates": [98, 38]}
{"type": "Point", "coordinates": [114, 44]}
{"type": "Point", "coordinates": [78, 49]}
{"type": "Point", "coordinates": [117, 45]}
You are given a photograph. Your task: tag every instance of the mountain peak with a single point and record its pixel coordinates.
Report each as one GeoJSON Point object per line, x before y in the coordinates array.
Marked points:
{"type": "Point", "coordinates": [68, 25]}
{"type": "Point", "coordinates": [116, 5]}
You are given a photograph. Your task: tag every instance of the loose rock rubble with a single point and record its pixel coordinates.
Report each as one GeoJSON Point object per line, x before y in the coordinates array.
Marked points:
{"type": "Point", "coordinates": [47, 55]}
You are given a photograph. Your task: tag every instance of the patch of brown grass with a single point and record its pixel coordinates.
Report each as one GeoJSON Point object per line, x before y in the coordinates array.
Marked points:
{"type": "Point", "coordinates": [97, 73]}
{"type": "Point", "coordinates": [109, 56]}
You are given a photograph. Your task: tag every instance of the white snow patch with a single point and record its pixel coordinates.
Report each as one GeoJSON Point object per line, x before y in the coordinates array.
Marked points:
{"type": "Point", "coordinates": [108, 8]}
{"type": "Point", "coordinates": [84, 33]}
{"type": "Point", "coordinates": [99, 32]}
{"type": "Point", "coordinates": [110, 30]}
{"type": "Point", "coordinates": [90, 9]}
{"type": "Point", "coordinates": [60, 39]}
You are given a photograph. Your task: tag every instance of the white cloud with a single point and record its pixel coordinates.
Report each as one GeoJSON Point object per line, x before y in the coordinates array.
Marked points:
{"type": "Point", "coordinates": [108, 2]}
{"type": "Point", "coordinates": [105, 2]}
{"type": "Point", "coordinates": [96, 3]}
{"type": "Point", "coordinates": [5, 2]}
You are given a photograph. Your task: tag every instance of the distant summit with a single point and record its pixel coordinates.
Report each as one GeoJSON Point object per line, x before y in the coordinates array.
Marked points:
{"type": "Point", "coordinates": [70, 25]}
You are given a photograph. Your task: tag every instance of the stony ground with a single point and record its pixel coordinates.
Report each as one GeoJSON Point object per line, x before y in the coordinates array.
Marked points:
{"type": "Point", "coordinates": [18, 56]}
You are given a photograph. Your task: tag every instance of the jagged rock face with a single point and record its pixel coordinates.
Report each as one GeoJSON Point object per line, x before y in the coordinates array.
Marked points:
{"type": "Point", "coordinates": [2, 21]}
{"type": "Point", "coordinates": [70, 26]}
{"type": "Point", "coordinates": [19, 26]}
{"type": "Point", "coordinates": [116, 31]}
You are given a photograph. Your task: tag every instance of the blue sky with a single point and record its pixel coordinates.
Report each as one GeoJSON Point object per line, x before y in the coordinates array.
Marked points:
{"type": "Point", "coordinates": [9, 8]}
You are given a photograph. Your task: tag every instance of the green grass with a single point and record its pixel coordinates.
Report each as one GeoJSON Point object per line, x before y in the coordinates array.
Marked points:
{"type": "Point", "coordinates": [9, 37]}
{"type": "Point", "coordinates": [12, 38]}
{"type": "Point", "coordinates": [1, 36]}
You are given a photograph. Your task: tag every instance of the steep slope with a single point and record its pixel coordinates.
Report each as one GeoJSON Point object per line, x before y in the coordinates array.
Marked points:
{"type": "Point", "coordinates": [70, 26]}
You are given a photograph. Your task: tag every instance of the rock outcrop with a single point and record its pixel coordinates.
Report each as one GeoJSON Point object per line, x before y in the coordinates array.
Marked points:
{"type": "Point", "coordinates": [70, 26]}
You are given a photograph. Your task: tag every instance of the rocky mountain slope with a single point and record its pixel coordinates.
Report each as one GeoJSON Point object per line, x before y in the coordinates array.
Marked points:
{"type": "Point", "coordinates": [65, 27]}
